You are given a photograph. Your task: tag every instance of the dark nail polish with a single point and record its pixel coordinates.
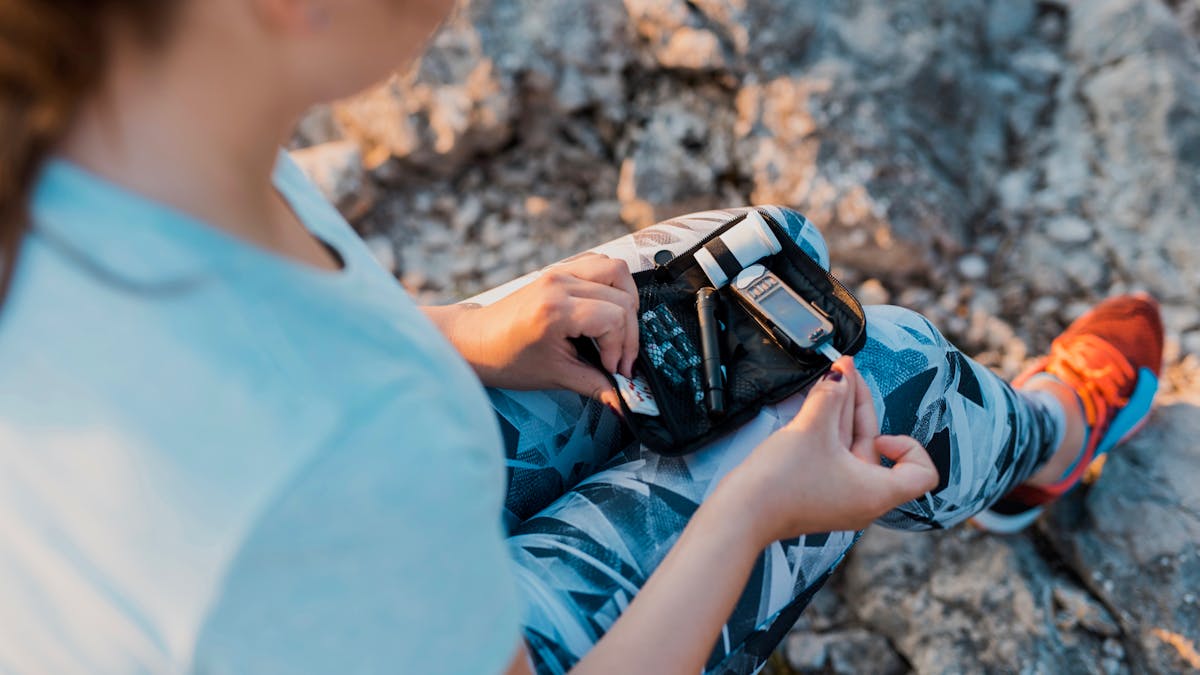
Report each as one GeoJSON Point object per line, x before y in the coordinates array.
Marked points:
{"type": "Point", "coordinates": [834, 376]}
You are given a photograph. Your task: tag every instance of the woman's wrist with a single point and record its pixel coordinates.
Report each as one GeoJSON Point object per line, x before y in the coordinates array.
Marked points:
{"type": "Point", "coordinates": [739, 502]}
{"type": "Point", "coordinates": [751, 495]}
{"type": "Point", "coordinates": [455, 323]}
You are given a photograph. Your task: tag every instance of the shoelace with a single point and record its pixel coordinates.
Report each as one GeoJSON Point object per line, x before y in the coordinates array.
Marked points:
{"type": "Point", "coordinates": [1095, 367]}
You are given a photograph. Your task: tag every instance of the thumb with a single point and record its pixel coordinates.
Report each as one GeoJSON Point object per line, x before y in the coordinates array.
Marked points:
{"type": "Point", "coordinates": [913, 473]}
{"type": "Point", "coordinates": [586, 379]}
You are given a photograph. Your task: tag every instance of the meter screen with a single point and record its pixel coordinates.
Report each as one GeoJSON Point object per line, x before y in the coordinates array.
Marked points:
{"type": "Point", "coordinates": [788, 314]}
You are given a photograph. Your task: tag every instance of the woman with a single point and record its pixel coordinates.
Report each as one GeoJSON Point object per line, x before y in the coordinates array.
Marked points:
{"type": "Point", "coordinates": [230, 443]}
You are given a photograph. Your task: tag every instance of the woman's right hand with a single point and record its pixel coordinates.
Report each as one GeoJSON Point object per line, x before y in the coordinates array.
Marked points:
{"type": "Point", "coordinates": [818, 474]}
{"type": "Point", "coordinates": [822, 472]}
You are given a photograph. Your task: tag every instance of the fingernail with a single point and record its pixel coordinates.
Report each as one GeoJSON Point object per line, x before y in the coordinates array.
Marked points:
{"type": "Point", "coordinates": [834, 376]}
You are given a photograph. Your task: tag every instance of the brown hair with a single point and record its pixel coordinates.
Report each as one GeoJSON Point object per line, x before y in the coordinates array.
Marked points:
{"type": "Point", "coordinates": [53, 54]}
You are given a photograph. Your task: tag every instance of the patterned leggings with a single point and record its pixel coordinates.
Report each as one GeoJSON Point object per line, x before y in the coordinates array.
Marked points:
{"type": "Point", "coordinates": [591, 514]}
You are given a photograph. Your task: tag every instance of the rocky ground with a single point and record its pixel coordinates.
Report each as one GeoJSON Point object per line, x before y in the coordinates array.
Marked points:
{"type": "Point", "coordinates": [996, 164]}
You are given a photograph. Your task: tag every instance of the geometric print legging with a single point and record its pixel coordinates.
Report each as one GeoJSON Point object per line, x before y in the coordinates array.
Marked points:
{"type": "Point", "coordinates": [590, 513]}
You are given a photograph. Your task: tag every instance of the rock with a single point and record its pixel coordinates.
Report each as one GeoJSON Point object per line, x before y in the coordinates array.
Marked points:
{"type": "Point", "coordinates": [1045, 306]}
{"type": "Point", "coordinates": [945, 599]}
{"type": "Point", "coordinates": [973, 267]}
{"type": "Point", "coordinates": [1133, 537]}
{"type": "Point", "coordinates": [520, 249]}
{"type": "Point", "coordinates": [826, 612]}
{"type": "Point", "coordinates": [1080, 609]}
{"type": "Point", "coordinates": [1113, 649]}
{"type": "Point", "coordinates": [873, 292]}
{"type": "Point", "coordinates": [463, 98]}
{"type": "Point", "coordinates": [1191, 342]}
{"type": "Point", "coordinates": [1041, 264]}
{"type": "Point", "coordinates": [1014, 191]}
{"type": "Point", "coordinates": [437, 237]}
{"type": "Point", "coordinates": [467, 214]}
{"type": "Point", "coordinates": [675, 163]}
{"type": "Point", "coordinates": [1180, 319]}
{"type": "Point", "coordinates": [500, 275]}
{"type": "Point", "coordinates": [319, 125]}
{"type": "Point", "coordinates": [1076, 309]}
{"type": "Point", "coordinates": [691, 49]}
{"type": "Point", "coordinates": [419, 270]}
{"type": "Point", "coordinates": [1068, 229]}
{"type": "Point", "coordinates": [1008, 22]}
{"type": "Point", "coordinates": [1143, 98]}
{"type": "Point", "coordinates": [999, 334]}
{"type": "Point", "coordinates": [843, 653]}
{"type": "Point", "coordinates": [1082, 268]}
{"type": "Point", "coordinates": [916, 298]}
{"type": "Point", "coordinates": [384, 252]}
{"type": "Point", "coordinates": [337, 169]}
{"type": "Point", "coordinates": [1039, 66]}
{"type": "Point", "coordinates": [1013, 360]}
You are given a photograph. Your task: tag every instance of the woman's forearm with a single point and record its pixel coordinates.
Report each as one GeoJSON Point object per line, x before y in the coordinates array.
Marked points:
{"type": "Point", "coordinates": [673, 623]}
{"type": "Point", "coordinates": [446, 318]}
{"type": "Point", "coordinates": [443, 316]}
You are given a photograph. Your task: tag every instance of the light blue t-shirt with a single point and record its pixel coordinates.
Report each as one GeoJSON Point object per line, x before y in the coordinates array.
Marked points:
{"type": "Point", "coordinates": [215, 459]}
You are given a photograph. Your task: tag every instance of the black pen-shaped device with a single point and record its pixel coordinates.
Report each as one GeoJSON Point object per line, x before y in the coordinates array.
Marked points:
{"type": "Point", "coordinates": [710, 351]}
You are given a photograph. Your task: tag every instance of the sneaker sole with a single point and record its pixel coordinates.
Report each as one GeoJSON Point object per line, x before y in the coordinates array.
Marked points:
{"type": "Point", "coordinates": [999, 523]}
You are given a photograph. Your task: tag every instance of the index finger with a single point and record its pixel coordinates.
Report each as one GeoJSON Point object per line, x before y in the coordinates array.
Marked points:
{"type": "Point", "coordinates": [612, 272]}
{"type": "Point", "coordinates": [605, 270]}
{"type": "Point", "coordinates": [584, 288]}
{"type": "Point", "coordinates": [846, 419]}
{"type": "Point", "coordinates": [603, 321]}
{"type": "Point", "coordinates": [866, 423]}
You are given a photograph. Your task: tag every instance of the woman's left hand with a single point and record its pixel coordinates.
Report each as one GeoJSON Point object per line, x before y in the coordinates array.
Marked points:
{"type": "Point", "coordinates": [523, 340]}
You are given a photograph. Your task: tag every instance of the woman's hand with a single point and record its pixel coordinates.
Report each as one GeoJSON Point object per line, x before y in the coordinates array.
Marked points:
{"type": "Point", "coordinates": [822, 472]}
{"type": "Point", "coordinates": [521, 341]}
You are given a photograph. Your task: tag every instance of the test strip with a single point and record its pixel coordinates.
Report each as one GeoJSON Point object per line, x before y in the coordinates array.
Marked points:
{"type": "Point", "coordinates": [827, 349]}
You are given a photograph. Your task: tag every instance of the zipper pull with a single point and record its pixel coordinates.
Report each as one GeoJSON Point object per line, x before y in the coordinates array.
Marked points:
{"type": "Point", "coordinates": [661, 259]}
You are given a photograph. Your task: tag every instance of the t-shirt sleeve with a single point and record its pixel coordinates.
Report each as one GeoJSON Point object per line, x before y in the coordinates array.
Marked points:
{"type": "Point", "coordinates": [369, 562]}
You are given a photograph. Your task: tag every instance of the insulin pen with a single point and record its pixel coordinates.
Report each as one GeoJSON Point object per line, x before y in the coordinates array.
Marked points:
{"type": "Point", "coordinates": [710, 350]}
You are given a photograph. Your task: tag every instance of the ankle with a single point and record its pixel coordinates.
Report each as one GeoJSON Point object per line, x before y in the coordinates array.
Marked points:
{"type": "Point", "coordinates": [1073, 436]}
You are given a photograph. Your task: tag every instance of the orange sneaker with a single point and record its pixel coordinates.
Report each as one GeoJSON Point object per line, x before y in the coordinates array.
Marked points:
{"type": "Point", "coordinates": [1111, 357]}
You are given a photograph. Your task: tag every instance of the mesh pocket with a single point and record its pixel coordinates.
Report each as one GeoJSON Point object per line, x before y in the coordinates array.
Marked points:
{"type": "Point", "coordinates": [670, 335]}
{"type": "Point", "coordinates": [672, 354]}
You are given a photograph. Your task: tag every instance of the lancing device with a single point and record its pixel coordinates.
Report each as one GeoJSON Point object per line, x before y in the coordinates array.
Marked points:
{"type": "Point", "coordinates": [710, 351]}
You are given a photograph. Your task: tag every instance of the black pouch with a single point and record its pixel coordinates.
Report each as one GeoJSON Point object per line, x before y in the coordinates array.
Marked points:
{"type": "Point", "coordinates": [758, 370]}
